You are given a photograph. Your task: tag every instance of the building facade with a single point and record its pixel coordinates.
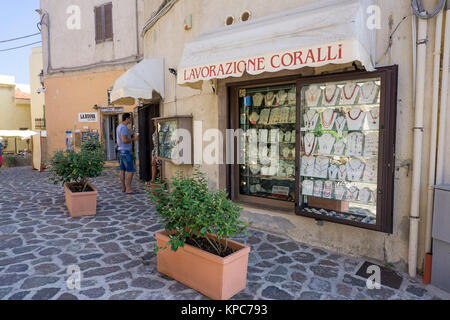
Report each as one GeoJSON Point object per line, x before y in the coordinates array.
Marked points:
{"type": "Point", "coordinates": [37, 93]}
{"type": "Point", "coordinates": [228, 60]}
{"type": "Point", "coordinates": [86, 45]}
{"type": "Point", "coordinates": [14, 113]}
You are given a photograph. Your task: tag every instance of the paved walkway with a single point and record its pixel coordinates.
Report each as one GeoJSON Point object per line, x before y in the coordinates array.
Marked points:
{"type": "Point", "coordinates": [38, 241]}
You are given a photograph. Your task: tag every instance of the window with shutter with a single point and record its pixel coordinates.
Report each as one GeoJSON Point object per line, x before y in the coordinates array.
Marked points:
{"type": "Point", "coordinates": [103, 23]}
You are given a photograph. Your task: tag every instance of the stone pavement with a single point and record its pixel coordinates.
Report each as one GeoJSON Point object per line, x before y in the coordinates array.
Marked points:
{"type": "Point", "coordinates": [38, 241]}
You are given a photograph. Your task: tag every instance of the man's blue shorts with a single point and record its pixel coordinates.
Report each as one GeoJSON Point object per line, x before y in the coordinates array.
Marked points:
{"type": "Point", "coordinates": [126, 161]}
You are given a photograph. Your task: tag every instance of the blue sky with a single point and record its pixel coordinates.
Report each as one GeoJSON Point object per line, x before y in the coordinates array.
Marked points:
{"type": "Point", "coordinates": [17, 18]}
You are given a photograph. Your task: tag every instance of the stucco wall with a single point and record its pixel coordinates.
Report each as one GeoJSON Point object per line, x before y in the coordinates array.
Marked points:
{"type": "Point", "coordinates": [208, 15]}
{"type": "Point", "coordinates": [66, 97]}
{"type": "Point", "coordinates": [37, 100]}
{"type": "Point", "coordinates": [77, 47]}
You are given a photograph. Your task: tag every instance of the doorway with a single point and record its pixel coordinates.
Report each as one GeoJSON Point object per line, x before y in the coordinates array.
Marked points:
{"type": "Point", "coordinates": [146, 129]}
{"type": "Point", "coordinates": [110, 124]}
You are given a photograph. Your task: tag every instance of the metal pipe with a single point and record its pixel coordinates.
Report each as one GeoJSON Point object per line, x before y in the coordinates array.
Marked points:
{"type": "Point", "coordinates": [434, 126]}
{"type": "Point", "coordinates": [418, 143]}
{"type": "Point", "coordinates": [444, 102]}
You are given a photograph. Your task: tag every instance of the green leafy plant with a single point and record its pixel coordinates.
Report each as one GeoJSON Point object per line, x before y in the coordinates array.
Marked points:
{"type": "Point", "coordinates": [11, 161]}
{"type": "Point", "coordinates": [190, 212]}
{"type": "Point", "coordinates": [76, 167]}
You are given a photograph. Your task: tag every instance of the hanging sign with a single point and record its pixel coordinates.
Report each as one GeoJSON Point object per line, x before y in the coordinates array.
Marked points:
{"type": "Point", "coordinates": [88, 117]}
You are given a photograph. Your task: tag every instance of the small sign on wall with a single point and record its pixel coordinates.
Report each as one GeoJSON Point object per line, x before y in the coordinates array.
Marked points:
{"type": "Point", "coordinates": [88, 117]}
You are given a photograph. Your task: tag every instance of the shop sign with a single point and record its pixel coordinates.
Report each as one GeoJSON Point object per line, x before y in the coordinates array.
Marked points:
{"type": "Point", "coordinates": [88, 117]}
{"type": "Point", "coordinates": [112, 109]}
{"type": "Point", "coordinates": [315, 56]}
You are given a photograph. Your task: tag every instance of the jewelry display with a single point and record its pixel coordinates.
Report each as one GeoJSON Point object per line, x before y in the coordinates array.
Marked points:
{"type": "Point", "coordinates": [269, 99]}
{"type": "Point", "coordinates": [373, 117]}
{"type": "Point", "coordinates": [284, 114]}
{"type": "Point", "coordinates": [369, 92]}
{"type": "Point", "coordinates": [307, 166]}
{"type": "Point", "coordinates": [321, 167]}
{"type": "Point", "coordinates": [364, 195]}
{"type": "Point", "coordinates": [333, 172]}
{"type": "Point", "coordinates": [340, 125]}
{"type": "Point", "coordinates": [313, 95]}
{"type": "Point", "coordinates": [309, 143]}
{"type": "Point", "coordinates": [286, 152]}
{"type": "Point", "coordinates": [307, 187]}
{"type": "Point", "coordinates": [310, 119]}
{"type": "Point", "coordinates": [328, 117]}
{"type": "Point", "coordinates": [326, 143]}
{"type": "Point", "coordinates": [258, 99]}
{"type": "Point", "coordinates": [342, 172]}
{"type": "Point", "coordinates": [318, 188]}
{"type": "Point", "coordinates": [264, 155]}
{"type": "Point", "coordinates": [330, 95]}
{"type": "Point", "coordinates": [281, 97]}
{"type": "Point", "coordinates": [355, 118]}
{"type": "Point", "coordinates": [373, 196]}
{"type": "Point", "coordinates": [370, 172]}
{"type": "Point", "coordinates": [292, 96]}
{"type": "Point", "coordinates": [371, 144]}
{"type": "Point", "coordinates": [255, 169]}
{"type": "Point", "coordinates": [355, 168]}
{"type": "Point", "coordinates": [275, 116]}
{"type": "Point", "coordinates": [349, 93]}
{"type": "Point", "coordinates": [339, 191]}
{"type": "Point", "coordinates": [328, 189]}
{"type": "Point", "coordinates": [254, 117]}
{"type": "Point", "coordinates": [264, 116]}
{"type": "Point", "coordinates": [293, 115]}
{"type": "Point", "coordinates": [263, 135]}
{"type": "Point", "coordinates": [355, 144]}
{"type": "Point", "coordinates": [339, 148]}
{"type": "Point", "coordinates": [293, 138]}
{"type": "Point", "coordinates": [287, 137]}
{"type": "Point", "coordinates": [352, 193]}
{"type": "Point", "coordinates": [274, 136]}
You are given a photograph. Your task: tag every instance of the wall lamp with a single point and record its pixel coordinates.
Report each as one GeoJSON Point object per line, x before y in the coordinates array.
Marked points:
{"type": "Point", "coordinates": [173, 71]}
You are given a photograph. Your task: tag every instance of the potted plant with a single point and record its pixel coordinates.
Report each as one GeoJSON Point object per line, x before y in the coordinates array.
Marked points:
{"type": "Point", "coordinates": [73, 170]}
{"type": "Point", "coordinates": [198, 225]}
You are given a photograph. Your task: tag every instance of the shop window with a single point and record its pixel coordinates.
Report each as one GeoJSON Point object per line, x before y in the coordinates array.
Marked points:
{"type": "Point", "coordinates": [103, 23]}
{"type": "Point", "coordinates": [322, 147]}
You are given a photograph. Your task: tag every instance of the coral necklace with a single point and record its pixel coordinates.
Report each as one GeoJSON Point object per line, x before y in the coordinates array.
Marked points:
{"type": "Point", "coordinates": [353, 93]}
{"type": "Point", "coordinates": [354, 118]}
{"type": "Point", "coordinates": [326, 95]}
{"type": "Point", "coordinates": [328, 123]}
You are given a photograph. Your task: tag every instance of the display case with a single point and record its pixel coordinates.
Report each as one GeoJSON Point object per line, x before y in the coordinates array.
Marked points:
{"type": "Point", "coordinates": [346, 153]}
{"type": "Point", "coordinates": [175, 139]}
{"type": "Point", "coordinates": [321, 147]}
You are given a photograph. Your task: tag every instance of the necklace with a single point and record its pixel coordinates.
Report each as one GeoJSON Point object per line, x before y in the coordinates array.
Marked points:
{"type": "Point", "coordinates": [312, 95]}
{"type": "Point", "coordinates": [326, 143]}
{"type": "Point", "coordinates": [310, 120]}
{"type": "Point", "coordinates": [327, 189]}
{"type": "Point", "coordinates": [357, 117]}
{"type": "Point", "coordinates": [374, 116]}
{"type": "Point", "coordinates": [368, 91]}
{"type": "Point", "coordinates": [340, 125]}
{"type": "Point", "coordinates": [339, 148]}
{"type": "Point", "coordinates": [310, 143]}
{"type": "Point", "coordinates": [328, 100]}
{"type": "Point", "coordinates": [342, 172]}
{"type": "Point", "coordinates": [340, 191]}
{"type": "Point", "coordinates": [353, 92]}
{"type": "Point", "coordinates": [318, 187]}
{"type": "Point", "coordinates": [269, 98]}
{"type": "Point", "coordinates": [307, 187]}
{"type": "Point", "coordinates": [329, 123]}
{"type": "Point", "coordinates": [352, 193]}
{"type": "Point", "coordinates": [355, 169]}
{"type": "Point", "coordinates": [333, 171]}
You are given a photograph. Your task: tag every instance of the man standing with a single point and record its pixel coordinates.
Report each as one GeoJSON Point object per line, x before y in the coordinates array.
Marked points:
{"type": "Point", "coordinates": [124, 141]}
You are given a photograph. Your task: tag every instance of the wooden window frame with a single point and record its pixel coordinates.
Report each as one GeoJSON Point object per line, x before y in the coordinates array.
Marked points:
{"type": "Point", "coordinates": [387, 140]}
{"type": "Point", "coordinates": [104, 36]}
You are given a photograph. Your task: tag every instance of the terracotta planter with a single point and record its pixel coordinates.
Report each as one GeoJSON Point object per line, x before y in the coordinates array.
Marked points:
{"type": "Point", "coordinates": [215, 277]}
{"type": "Point", "coordinates": [81, 204]}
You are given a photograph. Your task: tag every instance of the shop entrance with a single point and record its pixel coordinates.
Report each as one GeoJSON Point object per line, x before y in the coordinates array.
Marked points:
{"type": "Point", "coordinates": [146, 130]}
{"type": "Point", "coordinates": [110, 124]}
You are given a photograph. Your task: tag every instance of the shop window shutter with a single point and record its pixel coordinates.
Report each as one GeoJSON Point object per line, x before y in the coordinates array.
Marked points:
{"type": "Point", "coordinates": [108, 21]}
{"type": "Point", "coordinates": [98, 25]}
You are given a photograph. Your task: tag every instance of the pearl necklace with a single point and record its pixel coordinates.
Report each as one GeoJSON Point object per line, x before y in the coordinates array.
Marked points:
{"type": "Point", "coordinates": [312, 95]}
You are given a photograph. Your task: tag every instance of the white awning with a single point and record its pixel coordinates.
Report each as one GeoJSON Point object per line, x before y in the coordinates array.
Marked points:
{"type": "Point", "coordinates": [320, 33]}
{"type": "Point", "coordinates": [139, 82]}
{"type": "Point", "coordinates": [24, 134]}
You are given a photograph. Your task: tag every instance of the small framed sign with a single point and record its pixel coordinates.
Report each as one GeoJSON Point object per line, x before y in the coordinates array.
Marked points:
{"type": "Point", "coordinates": [88, 117]}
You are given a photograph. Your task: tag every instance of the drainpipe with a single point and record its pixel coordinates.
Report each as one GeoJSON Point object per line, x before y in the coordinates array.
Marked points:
{"type": "Point", "coordinates": [418, 142]}
{"type": "Point", "coordinates": [433, 143]}
{"type": "Point", "coordinates": [444, 101]}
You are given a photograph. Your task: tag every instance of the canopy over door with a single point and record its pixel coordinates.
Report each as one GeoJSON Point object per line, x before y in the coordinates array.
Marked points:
{"type": "Point", "coordinates": [139, 82]}
{"type": "Point", "coordinates": [324, 32]}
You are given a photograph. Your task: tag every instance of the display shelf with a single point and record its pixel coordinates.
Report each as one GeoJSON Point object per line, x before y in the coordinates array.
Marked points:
{"type": "Point", "coordinates": [259, 176]}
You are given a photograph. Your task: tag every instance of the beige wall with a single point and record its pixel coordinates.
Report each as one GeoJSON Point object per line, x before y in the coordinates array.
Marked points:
{"type": "Point", "coordinates": [68, 96]}
{"type": "Point", "coordinates": [205, 106]}
{"type": "Point", "coordinates": [37, 100]}
{"type": "Point", "coordinates": [75, 48]}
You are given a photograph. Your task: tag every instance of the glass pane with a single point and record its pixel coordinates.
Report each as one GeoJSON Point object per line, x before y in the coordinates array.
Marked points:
{"type": "Point", "coordinates": [268, 122]}
{"type": "Point", "coordinates": [339, 149]}
{"type": "Point", "coordinates": [167, 139]}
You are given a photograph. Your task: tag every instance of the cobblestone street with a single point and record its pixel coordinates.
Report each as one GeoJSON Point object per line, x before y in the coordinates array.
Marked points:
{"type": "Point", "coordinates": [38, 241]}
